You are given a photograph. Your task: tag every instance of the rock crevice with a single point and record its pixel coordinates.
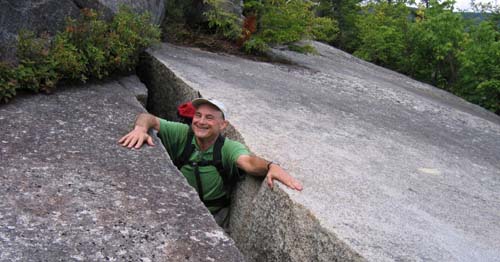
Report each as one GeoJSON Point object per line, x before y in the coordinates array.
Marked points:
{"type": "Point", "coordinates": [305, 240]}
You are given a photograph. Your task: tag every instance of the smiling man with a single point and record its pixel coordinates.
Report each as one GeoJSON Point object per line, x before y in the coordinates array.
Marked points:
{"type": "Point", "coordinates": [210, 162]}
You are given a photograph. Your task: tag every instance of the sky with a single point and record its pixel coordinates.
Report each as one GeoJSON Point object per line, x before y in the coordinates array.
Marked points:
{"type": "Point", "coordinates": [465, 4]}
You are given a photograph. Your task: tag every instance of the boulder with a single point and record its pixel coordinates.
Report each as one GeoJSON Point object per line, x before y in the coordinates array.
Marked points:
{"type": "Point", "coordinates": [393, 169]}
{"type": "Point", "coordinates": [38, 16]}
{"type": "Point", "coordinates": [155, 7]}
{"type": "Point", "coordinates": [70, 192]}
{"type": "Point", "coordinates": [49, 16]}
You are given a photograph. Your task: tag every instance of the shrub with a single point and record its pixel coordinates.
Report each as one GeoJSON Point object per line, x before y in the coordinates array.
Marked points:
{"type": "Point", "coordinates": [110, 47]}
{"type": "Point", "coordinates": [7, 83]}
{"type": "Point", "coordinates": [89, 47]}
{"type": "Point", "coordinates": [130, 35]}
{"type": "Point", "coordinates": [285, 22]}
{"type": "Point", "coordinates": [255, 45]}
{"type": "Point", "coordinates": [71, 63]}
{"type": "Point", "coordinates": [225, 23]}
{"type": "Point", "coordinates": [303, 49]}
{"type": "Point", "coordinates": [324, 29]}
{"type": "Point", "coordinates": [90, 36]}
{"type": "Point", "coordinates": [37, 69]}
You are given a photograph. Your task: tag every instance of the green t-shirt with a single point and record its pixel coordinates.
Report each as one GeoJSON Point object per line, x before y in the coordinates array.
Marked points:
{"type": "Point", "coordinates": [174, 135]}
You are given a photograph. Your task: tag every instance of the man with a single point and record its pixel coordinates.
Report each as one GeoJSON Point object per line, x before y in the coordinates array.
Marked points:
{"type": "Point", "coordinates": [209, 121]}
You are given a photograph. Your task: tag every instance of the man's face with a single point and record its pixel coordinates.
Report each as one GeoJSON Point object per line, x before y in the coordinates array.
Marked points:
{"type": "Point", "coordinates": [208, 122]}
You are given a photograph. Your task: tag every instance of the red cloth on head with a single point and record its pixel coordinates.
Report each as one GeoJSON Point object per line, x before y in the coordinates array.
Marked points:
{"type": "Point", "coordinates": [186, 110]}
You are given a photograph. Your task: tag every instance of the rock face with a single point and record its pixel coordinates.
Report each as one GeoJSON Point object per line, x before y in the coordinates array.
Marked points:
{"type": "Point", "coordinates": [49, 16]}
{"type": "Point", "coordinates": [37, 16]}
{"type": "Point", "coordinates": [69, 192]}
{"type": "Point", "coordinates": [155, 7]}
{"type": "Point", "coordinates": [393, 169]}
{"type": "Point", "coordinates": [195, 14]}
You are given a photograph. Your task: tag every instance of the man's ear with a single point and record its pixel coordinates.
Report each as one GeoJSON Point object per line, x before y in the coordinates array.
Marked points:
{"type": "Point", "coordinates": [225, 123]}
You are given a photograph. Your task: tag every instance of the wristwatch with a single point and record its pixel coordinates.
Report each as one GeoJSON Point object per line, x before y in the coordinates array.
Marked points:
{"type": "Point", "coordinates": [271, 163]}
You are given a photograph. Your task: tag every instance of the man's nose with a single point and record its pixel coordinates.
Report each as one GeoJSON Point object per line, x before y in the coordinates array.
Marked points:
{"type": "Point", "coordinates": [203, 120]}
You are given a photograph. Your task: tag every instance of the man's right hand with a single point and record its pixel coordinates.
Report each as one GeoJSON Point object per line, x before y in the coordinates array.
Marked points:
{"type": "Point", "coordinates": [139, 134]}
{"type": "Point", "coordinates": [136, 137]}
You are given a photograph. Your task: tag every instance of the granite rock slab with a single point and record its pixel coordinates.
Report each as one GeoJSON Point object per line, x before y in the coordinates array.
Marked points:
{"type": "Point", "coordinates": [393, 169]}
{"type": "Point", "coordinates": [70, 192]}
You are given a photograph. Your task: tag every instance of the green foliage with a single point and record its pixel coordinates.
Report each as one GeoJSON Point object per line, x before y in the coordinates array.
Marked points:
{"type": "Point", "coordinates": [71, 63]}
{"type": "Point", "coordinates": [434, 44]}
{"type": "Point", "coordinates": [255, 45]}
{"type": "Point", "coordinates": [285, 22]}
{"type": "Point", "coordinates": [480, 69]}
{"type": "Point", "coordinates": [253, 6]}
{"type": "Point", "coordinates": [324, 29]}
{"type": "Point", "coordinates": [110, 47]}
{"type": "Point", "coordinates": [37, 69]}
{"type": "Point", "coordinates": [90, 47]}
{"type": "Point", "coordinates": [130, 35]}
{"type": "Point", "coordinates": [304, 49]}
{"type": "Point", "coordinates": [225, 23]}
{"type": "Point", "coordinates": [383, 28]}
{"type": "Point", "coordinates": [90, 36]}
{"type": "Point", "coordinates": [7, 83]}
{"type": "Point", "coordinates": [383, 45]}
{"type": "Point", "coordinates": [488, 95]}
{"type": "Point", "coordinates": [346, 13]}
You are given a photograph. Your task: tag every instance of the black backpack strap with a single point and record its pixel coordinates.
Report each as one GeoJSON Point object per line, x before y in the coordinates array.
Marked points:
{"type": "Point", "coordinates": [223, 171]}
{"type": "Point", "coordinates": [183, 159]}
{"type": "Point", "coordinates": [217, 154]}
{"type": "Point", "coordinates": [198, 179]}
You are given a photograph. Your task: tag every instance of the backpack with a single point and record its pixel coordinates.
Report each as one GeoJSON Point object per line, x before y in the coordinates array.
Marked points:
{"type": "Point", "coordinates": [185, 112]}
{"type": "Point", "coordinates": [228, 180]}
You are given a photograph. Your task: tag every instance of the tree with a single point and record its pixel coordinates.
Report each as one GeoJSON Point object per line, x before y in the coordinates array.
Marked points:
{"type": "Point", "coordinates": [346, 13]}
{"type": "Point", "coordinates": [434, 44]}
{"type": "Point", "coordinates": [383, 28]}
{"type": "Point", "coordinates": [480, 68]}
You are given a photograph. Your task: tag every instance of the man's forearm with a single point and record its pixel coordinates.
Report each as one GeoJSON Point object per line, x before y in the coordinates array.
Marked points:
{"type": "Point", "coordinates": [146, 121]}
{"type": "Point", "coordinates": [255, 165]}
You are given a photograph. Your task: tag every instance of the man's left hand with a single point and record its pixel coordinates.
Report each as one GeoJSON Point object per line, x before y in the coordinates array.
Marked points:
{"type": "Point", "coordinates": [276, 172]}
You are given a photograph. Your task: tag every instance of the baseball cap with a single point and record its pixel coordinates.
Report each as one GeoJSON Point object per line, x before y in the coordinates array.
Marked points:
{"type": "Point", "coordinates": [219, 105]}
